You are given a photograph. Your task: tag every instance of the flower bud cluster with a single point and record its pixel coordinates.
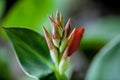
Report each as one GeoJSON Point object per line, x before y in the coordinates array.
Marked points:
{"type": "Point", "coordinates": [62, 44]}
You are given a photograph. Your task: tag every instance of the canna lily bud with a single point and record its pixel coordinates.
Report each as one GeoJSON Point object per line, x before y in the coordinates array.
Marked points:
{"type": "Point", "coordinates": [63, 44]}
{"type": "Point", "coordinates": [65, 37]}
{"type": "Point", "coordinates": [48, 39]}
{"type": "Point", "coordinates": [58, 17]}
{"type": "Point", "coordinates": [74, 40]}
{"type": "Point", "coordinates": [51, 18]}
{"type": "Point", "coordinates": [61, 20]}
{"type": "Point", "coordinates": [54, 22]}
{"type": "Point", "coordinates": [57, 24]}
{"type": "Point", "coordinates": [61, 29]}
{"type": "Point", "coordinates": [67, 43]}
{"type": "Point", "coordinates": [56, 41]}
{"type": "Point", "coordinates": [72, 46]}
{"type": "Point", "coordinates": [55, 34]}
{"type": "Point", "coordinates": [53, 50]}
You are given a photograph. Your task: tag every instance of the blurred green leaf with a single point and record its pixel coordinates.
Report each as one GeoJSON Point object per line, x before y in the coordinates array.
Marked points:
{"type": "Point", "coordinates": [30, 13]}
{"type": "Point", "coordinates": [31, 50]}
{"type": "Point", "coordinates": [25, 77]}
{"type": "Point", "coordinates": [106, 64]}
{"type": "Point", "coordinates": [101, 31]}
{"type": "Point", "coordinates": [98, 33]}
{"type": "Point", "coordinates": [5, 73]}
{"type": "Point", "coordinates": [2, 8]}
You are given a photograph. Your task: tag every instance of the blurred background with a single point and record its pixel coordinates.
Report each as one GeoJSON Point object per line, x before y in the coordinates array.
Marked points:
{"type": "Point", "coordinates": [101, 19]}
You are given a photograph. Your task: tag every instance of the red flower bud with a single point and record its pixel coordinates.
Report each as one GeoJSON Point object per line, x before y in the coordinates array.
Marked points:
{"type": "Point", "coordinates": [74, 40]}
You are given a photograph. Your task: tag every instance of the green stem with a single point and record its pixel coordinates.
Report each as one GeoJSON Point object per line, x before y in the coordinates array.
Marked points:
{"type": "Point", "coordinates": [63, 77]}
{"type": "Point", "coordinates": [57, 74]}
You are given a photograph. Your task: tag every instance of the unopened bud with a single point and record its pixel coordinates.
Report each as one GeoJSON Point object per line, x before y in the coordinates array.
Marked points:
{"type": "Point", "coordinates": [61, 20]}
{"type": "Point", "coordinates": [63, 44]}
{"type": "Point", "coordinates": [54, 55]}
{"type": "Point", "coordinates": [53, 50]}
{"type": "Point", "coordinates": [55, 33]}
{"type": "Point", "coordinates": [60, 31]}
{"type": "Point", "coordinates": [58, 17]}
{"type": "Point", "coordinates": [74, 40]}
{"type": "Point", "coordinates": [48, 39]}
{"type": "Point", "coordinates": [56, 42]}
{"type": "Point", "coordinates": [55, 36]}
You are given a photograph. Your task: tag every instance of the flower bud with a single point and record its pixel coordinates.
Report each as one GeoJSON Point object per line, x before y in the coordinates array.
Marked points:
{"type": "Point", "coordinates": [53, 50]}
{"type": "Point", "coordinates": [56, 42]}
{"type": "Point", "coordinates": [61, 21]}
{"type": "Point", "coordinates": [60, 31]}
{"type": "Point", "coordinates": [74, 40]}
{"type": "Point", "coordinates": [54, 56]}
{"type": "Point", "coordinates": [58, 17]}
{"type": "Point", "coordinates": [54, 22]}
{"type": "Point", "coordinates": [48, 39]}
{"type": "Point", "coordinates": [65, 37]}
{"type": "Point", "coordinates": [63, 44]}
{"type": "Point", "coordinates": [55, 34]}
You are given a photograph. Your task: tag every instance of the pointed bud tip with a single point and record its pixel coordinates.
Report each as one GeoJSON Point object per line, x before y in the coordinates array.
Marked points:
{"type": "Point", "coordinates": [51, 19]}
{"type": "Point", "coordinates": [68, 23]}
{"type": "Point", "coordinates": [75, 39]}
{"type": "Point", "coordinates": [79, 30]}
{"type": "Point", "coordinates": [82, 29]}
{"type": "Point", "coordinates": [67, 27]}
{"type": "Point", "coordinates": [45, 30]}
{"type": "Point", "coordinates": [57, 13]}
{"type": "Point", "coordinates": [69, 19]}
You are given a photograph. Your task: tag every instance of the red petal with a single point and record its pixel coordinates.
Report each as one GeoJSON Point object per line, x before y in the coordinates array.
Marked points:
{"type": "Point", "coordinates": [74, 40]}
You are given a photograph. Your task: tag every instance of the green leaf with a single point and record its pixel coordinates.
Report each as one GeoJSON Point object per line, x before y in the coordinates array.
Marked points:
{"type": "Point", "coordinates": [98, 33]}
{"type": "Point", "coordinates": [32, 14]}
{"type": "Point", "coordinates": [2, 8]}
{"type": "Point", "coordinates": [31, 50]}
{"type": "Point", "coordinates": [106, 64]}
{"type": "Point", "coordinates": [5, 73]}
{"type": "Point", "coordinates": [26, 77]}
{"type": "Point", "coordinates": [103, 29]}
